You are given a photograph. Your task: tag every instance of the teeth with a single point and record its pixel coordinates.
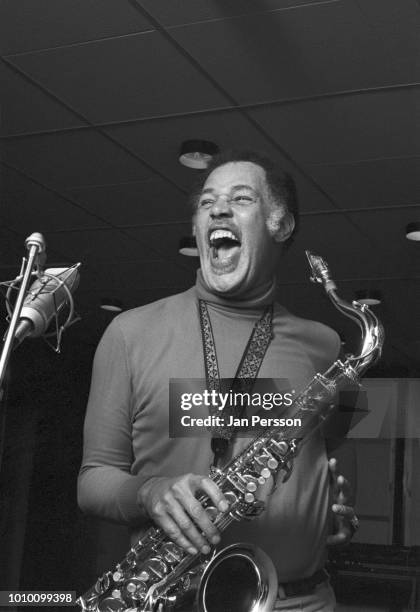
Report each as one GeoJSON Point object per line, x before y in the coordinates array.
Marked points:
{"type": "Point", "coordinates": [220, 233]}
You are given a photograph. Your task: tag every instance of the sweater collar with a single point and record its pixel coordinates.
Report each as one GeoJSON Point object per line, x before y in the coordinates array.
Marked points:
{"type": "Point", "coordinates": [253, 299]}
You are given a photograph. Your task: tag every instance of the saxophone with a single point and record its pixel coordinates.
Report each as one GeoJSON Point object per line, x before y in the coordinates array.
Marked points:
{"type": "Point", "coordinates": [158, 576]}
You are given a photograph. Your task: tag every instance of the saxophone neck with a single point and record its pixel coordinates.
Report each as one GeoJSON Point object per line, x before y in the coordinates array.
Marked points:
{"type": "Point", "coordinates": [371, 328]}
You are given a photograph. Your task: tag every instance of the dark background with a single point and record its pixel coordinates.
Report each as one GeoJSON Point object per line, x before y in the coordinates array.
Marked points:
{"type": "Point", "coordinates": [96, 98]}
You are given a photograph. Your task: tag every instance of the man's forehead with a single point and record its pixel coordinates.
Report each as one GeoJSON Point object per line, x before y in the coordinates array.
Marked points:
{"type": "Point", "coordinates": [234, 174]}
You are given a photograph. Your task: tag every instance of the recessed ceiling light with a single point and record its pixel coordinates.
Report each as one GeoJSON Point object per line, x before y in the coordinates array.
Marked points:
{"type": "Point", "coordinates": [197, 154]}
{"type": "Point", "coordinates": [369, 297]}
{"type": "Point", "coordinates": [111, 305]}
{"type": "Point", "coordinates": [188, 246]}
{"type": "Point", "coordinates": [412, 231]}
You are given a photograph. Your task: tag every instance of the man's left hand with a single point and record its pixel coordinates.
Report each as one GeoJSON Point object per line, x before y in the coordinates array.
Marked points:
{"type": "Point", "coordinates": [345, 519]}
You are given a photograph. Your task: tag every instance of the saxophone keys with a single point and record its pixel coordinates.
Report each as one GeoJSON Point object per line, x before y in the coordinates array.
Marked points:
{"type": "Point", "coordinates": [102, 584]}
{"type": "Point", "coordinates": [112, 603]}
{"type": "Point", "coordinates": [158, 567]}
{"type": "Point", "coordinates": [282, 447]}
{"type": "Point", "coordinates": [132, 558]}
{"type": "Point", "coordinates": [135, 587]}
{"type": "Point", "coordinates": [134, 590]}
{"type": "Point", "coordinates": [249, 497]}
{"type": "Point", "coordinates": [272, 463]}
{"type": "Point", "coordinates": [265, 473]}
{"type": "Point", "coordinates": [144, 576]}
{"type": "Point", "coordinates": [98, 587]}
{"type": "Point", "coordinates": [172, 553]}
{"type": "Point", "coordinates": [212, 513]}
{"type": "Point", "coordinates": [117, 576]}
{"type": "Point", "coordinates": [251, 487]}
{"type": "Point", "coordinates": [231, 497]}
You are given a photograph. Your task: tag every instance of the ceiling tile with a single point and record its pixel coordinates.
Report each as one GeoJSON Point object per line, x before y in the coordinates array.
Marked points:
{"type": "Point", "coordinates": [402, 297]}
{"type": "Point", "coordinates": [333, 237]}
{"type": "Point", "coordinates": [135, 203]}
{"type": "Point", "coordinates": [323, 48]}
{"type": "Point", "coordinates": [401, 300]}
{"type": "Point", "coordinates": [28, 25]}
{"type": "Point", "coordinates": [102, 247]}
{"type": "Point", "coordinates": [164, 241]}
{"type": "Point", "coordinates": [133, 296]}
{"type": "Point", "coordinates": [158, 143]}
{"type": "Point", "coordinates": [189, 11]}
{"type": "Point", "coordinates": [12, 249]}
{"type": "Point", "coordinates": [310, 302]}
{"type": "Point", "coordinates": [25, 108]}
{"type": "Point", "coordinates": [386, 229]}
{"type": "Point", "coordinates": [148, 274]}
{"type": "Point", "coordinates": [389, 12]}
{"type": "Point", "coordinates": [71, 159]}
{"type": "Point", "coordinates": [376, 183]}
{"type": "Point", "coordinates": [122, 78]}
{"type": "Point", "coordinates": [28, 207]}
{"type": "Point", "coordinates": [347, 128]}
{"type": "Point", "coordinates": [97, 247]}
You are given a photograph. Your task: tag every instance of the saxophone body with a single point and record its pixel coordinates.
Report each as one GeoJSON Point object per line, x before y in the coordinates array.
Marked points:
{"type": "Point", "coordinates": [156, 575]}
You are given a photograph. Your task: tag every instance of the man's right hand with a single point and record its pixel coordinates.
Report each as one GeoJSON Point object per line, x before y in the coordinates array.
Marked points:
{"type": "Point", "coordinates": [172, 504]}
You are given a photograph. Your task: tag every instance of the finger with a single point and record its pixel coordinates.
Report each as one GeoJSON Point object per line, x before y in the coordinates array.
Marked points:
{"type": "Point", "coordinates": [183, 491]}
{"type": "Point", "coordinates": [199, 517]}
{"type": "Point", "coordinates": [203, 522]}
{"type": "Point", "coordinates": [343, 510]}
{"type": "Point", "coordinates": [213, 491]}
{"type": "Point", "coordinates": [185, 523]}
{"type": "Point", "coordinates": [344, 484]}
{"type": "Point", "coordinates": [170, 527]}
{"type": "Point", "coordinates": [332, 464]}
{"type": "Point", "coordinates": [341, 537]}
{"type": "Point", "coordinates": [340, 498]}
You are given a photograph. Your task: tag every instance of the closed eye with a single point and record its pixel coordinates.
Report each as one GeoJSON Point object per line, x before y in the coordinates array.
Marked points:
{"type": "Point", "coordinates": [206, 202]}
{"type": "Point", "coordinates": [243, 198]}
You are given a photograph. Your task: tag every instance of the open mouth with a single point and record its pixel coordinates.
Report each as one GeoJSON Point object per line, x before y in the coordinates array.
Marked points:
{"type": "Point", "coordinates": [225, 247]}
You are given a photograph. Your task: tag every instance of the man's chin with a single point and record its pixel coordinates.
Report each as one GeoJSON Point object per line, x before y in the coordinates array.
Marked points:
{"type": "Point", "coordinates": [226, 281]}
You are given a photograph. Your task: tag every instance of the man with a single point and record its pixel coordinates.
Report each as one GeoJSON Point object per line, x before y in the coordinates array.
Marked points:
{"type": "Point", "coordinates": [244, 214]}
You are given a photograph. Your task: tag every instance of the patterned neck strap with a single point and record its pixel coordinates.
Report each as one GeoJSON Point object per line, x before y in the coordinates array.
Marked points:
{"type": "Point", "coordinates": [246, 373]}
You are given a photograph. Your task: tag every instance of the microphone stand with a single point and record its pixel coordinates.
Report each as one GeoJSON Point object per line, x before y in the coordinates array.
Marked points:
{"type": "Point", "coordinates": [35, 244]}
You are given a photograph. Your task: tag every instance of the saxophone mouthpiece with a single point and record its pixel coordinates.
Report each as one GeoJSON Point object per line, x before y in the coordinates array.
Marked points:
{"type": "Point", "coordinates": [320, 272]}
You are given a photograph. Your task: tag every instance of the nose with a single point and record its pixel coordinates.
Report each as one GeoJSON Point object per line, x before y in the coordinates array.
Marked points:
{"type": "Point", "coordinates": [221, 207]}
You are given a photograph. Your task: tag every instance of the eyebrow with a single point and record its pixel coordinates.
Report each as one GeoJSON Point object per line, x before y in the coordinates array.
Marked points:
{"type": "Point", "coordinates": [234, 188]}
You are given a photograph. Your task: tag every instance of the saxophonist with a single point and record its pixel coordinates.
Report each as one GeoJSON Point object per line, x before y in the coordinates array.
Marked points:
{"type": "Point", "coordinates": [245, 213]}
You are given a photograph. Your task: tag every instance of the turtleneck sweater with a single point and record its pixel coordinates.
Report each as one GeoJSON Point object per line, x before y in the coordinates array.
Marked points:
{"type": "Point", "coordinates": [126, 434]}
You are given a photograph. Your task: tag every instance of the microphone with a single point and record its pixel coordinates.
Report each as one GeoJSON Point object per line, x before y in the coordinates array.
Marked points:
{"type": "Point", "coordinates": [37, 240]}
{"type": "Point", "coordinates": [45, 298]}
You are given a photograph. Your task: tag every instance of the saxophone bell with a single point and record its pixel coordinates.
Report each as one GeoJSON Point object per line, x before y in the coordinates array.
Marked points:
{"type": "Point", "coordinates": [240, 577]}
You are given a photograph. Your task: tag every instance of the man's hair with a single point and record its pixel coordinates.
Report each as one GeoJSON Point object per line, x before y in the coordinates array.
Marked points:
{"type": "Point", "coordinates": [280, 183]}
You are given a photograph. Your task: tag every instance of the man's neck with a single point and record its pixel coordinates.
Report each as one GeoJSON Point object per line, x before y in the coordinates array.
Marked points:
{"type": "Point", "coordinates": [257, 297]}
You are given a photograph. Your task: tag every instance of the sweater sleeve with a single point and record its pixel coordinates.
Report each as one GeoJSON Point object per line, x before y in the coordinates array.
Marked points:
{"type": "Point", "coordinates": [106, 487]}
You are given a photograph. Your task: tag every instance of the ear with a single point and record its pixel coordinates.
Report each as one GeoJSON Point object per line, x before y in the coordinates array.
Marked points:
{"type": "Point", "coordinates": [281, 225]}
{"type": "Point", "coordinates": [287, 225]}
